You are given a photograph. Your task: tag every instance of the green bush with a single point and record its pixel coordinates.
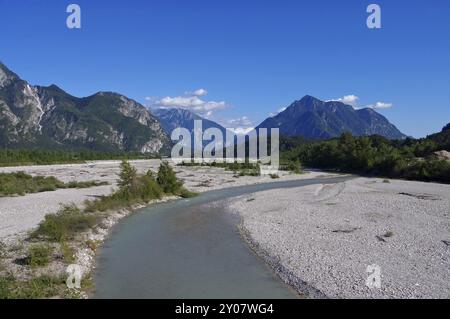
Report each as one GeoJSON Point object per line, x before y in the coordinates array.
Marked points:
{"type": "Point", "coordinates": [127, 174]}
{"type": "Point", "coordinates": [138, 189]}
{"type": "Point", "coordinates": [148, 188]}
{"type": "Point", "coordinates": [63, 225]}
{"type": "Point", "coordinates": [39, 255]}
{"type": "Point", "coordinates": [375, 155]}
{"type": "Point", "coordinates": [9, 157]}
{"type": "Point", "coordinates": [21, 183]}
{"type": "Point", "coordinates": [167, 179]}
{"type": "Point", "coordinates": [67, 253]}
{"type": "Point", "coordinates": [183, 192]}
{"type": "Point", "coordinates": [294, 166]}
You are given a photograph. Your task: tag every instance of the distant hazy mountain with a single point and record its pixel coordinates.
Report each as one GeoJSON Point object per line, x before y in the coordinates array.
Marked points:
{"type": "Point", "coordinates": [316, 119]}
{"type": "Point", "coordinates": [48, 117]}
{"type": "Point", "coordinates": [176, 117]}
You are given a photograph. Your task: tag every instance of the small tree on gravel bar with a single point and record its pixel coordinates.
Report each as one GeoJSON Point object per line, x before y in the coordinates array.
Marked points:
{"type": "Point", "coordinates": [167, 179]}
{"type": "Point", "coordinates": [127, 174]}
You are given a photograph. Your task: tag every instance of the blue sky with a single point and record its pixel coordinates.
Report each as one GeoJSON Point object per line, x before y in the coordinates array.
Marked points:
{"type": "Point", "coordinates": [253, 57]}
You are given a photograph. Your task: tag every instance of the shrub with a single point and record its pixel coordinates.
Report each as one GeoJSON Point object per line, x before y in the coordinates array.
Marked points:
{"type": "Point", "coordinates": [186, 193]}
{"type": "Point", "coordinates": [63, 225]}
{"type": "Point", "coordinates": [39, 255]}
{"type": "Point", "coordinates": [86, 184]}
{"type": "Point", "coordinates": [67, 253]}
{"type": "Point", "coordinates": [127, 174]}
{"type": "Point", "coordinates": [294, 166]}
{"type": "Point", "coordinates": [20, 184]}
{"type": "Point", "coordinates": [148, 188]}
{"type": "Point", "coordinates": [167, 179]}
{"type": "Point", "coordinates": [142, 190]}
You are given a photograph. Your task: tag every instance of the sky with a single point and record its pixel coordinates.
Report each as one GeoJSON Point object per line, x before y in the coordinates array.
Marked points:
{"type": "Point", "coordinates": [240, 61]}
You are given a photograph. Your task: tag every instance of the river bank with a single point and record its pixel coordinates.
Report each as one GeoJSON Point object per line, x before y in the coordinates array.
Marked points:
{"type": "Point", "coordinates": [321, 239]}
{"type": "Point", "coordinates": [20, 215]}
{"type": "Point", "coordinates": [189, 248]}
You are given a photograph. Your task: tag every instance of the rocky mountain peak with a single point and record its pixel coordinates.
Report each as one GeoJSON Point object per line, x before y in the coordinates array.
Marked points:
{"type": "Point", "coordinates": [38, 116]}
{"type": "Point", "coordinates": [315, 119]}
{"type": "Point", "coordinates": [6, 76]}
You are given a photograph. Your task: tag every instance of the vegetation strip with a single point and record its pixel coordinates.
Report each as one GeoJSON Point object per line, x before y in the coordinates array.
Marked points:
{"type": "Point", "coordinates": [21, 183]}
{"type": "Point", "coordinates": [59, 236]}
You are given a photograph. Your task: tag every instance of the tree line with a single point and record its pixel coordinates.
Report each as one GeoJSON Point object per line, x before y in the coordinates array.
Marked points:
{"type": "Point", "coordinates": [375, 155]}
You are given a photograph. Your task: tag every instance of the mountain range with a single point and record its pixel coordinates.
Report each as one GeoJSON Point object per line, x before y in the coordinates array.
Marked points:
{"type": "Point", "coordinates": [48, 117]}
{"type": "Point", "coordinates": [315, 119]}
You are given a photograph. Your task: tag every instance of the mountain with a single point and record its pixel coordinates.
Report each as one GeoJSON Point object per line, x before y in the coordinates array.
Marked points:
{"type": "Point", "coordinates": [316, 119]}
{"type": "Point", "coordinates": [442, 139]}
{"type": "Point", "coordinates": [48, 117]}
{"type": "Point", "coordinates": [177, 117]}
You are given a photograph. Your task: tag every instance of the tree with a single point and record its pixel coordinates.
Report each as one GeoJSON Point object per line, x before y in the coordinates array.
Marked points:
{"type": "Point", "coordinates": [167, 179]}
{"type": "Point", "coordinates": [127, 175]}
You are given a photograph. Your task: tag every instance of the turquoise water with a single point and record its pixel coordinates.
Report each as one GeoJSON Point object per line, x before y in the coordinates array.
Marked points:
{"type": "Point", "coordinates": [188, 249]}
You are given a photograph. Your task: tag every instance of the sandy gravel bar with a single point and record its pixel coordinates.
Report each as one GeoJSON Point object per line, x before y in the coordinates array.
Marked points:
{"type": "Point", "coordinates": [23, 213]}
{"type": "Point", "coordinates": [321, 239]}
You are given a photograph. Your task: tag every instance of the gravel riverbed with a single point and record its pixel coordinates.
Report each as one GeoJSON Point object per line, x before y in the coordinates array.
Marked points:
{"type": "Point", "coordinates": [20, 214]}
{"type": "Point", "coordinates": [321, 239]}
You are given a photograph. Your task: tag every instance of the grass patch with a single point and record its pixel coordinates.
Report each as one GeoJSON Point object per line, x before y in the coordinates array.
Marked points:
{"type": "Point", "coordinates": [3, 250]}
{"type": "Point", "coordinates": [36, 288]}
{"type": "Point", "coordinates": [86, 184]}
{"type": "Point", "coordinates": [20, 183]}
{"type": "Point", "coordinates": [65, 224]}
{"type": "Point", "coordinates": [186, 193]}
{"type": "Point", "coordinates": [274, 176]}
{"type": "Point", "coordinates": [39, 255]}
{"type": "Point", "coordinates": [293, 166]}
{"type": "Point", "coordinates": [67, 252]}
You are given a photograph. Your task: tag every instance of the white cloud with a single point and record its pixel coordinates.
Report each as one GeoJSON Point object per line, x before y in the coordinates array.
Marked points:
{"type": "Point", "coordinates": [191, 101]}
{"type": "Point", "coordinates": [199, 92]}
{"type": "Point", "coordinates": [380, 105]}
{"type": "Point", "coordinates": [241, 121]}
{"type": "Point", "coordinates": [241, 130]}
{"type": "Point", "coordinates": [240, 126]}
{"type": "Point", "coordinates": [348, 99]}
{"type": "Point", "coordinates": [352, 100]}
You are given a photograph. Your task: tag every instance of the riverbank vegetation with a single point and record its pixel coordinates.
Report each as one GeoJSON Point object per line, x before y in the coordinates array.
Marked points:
{"type": "Point", "coordinates": [23, 157]}
{"type": "Point", "coordinates": [374, 155]}
{"type": "Point", "coordinates": [20, 184]}
{"type": "Point", "coordinates": [57, 235]}
{"type": "Point", "coordinates": [247, 168]}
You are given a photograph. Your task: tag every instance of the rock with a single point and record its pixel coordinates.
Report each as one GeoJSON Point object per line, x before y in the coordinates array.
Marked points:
{"type": "Point", "coordinates": [444, 155]}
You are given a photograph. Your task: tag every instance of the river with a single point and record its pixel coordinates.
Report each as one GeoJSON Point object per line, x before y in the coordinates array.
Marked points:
{"type": "Point", "coordinates": [189, 248]}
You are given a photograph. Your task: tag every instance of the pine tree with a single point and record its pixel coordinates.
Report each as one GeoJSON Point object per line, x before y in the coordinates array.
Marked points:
{"type": "Point", "coordinates": [127, 175]}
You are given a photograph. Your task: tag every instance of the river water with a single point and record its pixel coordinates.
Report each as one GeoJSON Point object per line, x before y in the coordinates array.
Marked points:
{"type": "Point", "coordinates": [188, 249]}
